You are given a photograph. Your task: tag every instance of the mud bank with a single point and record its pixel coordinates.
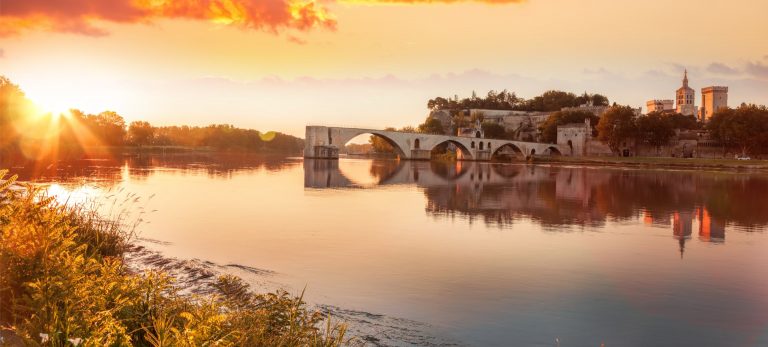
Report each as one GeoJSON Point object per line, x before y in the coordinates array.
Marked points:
{"type": "Point", "coordinates": [196, 276]}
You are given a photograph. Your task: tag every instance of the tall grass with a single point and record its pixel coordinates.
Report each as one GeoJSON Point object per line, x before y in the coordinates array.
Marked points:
{"type": "Point", "coordinates": [63, 282]}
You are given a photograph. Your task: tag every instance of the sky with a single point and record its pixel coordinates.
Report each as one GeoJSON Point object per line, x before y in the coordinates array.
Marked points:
{"type": "Point", "coordinates": [283, 64]}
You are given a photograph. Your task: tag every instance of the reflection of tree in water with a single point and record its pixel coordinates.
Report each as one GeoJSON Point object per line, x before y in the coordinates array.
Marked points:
{"type": "Point", "coordinates": [110, 171]}
{"type": "Point", "coordinates": [382, 169]}
{"type": "Point", "coordinates": [449, 170]}
{"type": "Point", "coordinates": [560, 196]}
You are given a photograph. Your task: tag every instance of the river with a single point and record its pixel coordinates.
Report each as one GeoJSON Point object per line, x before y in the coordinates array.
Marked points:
{"type": "Point", "coordinates": [420, 253]}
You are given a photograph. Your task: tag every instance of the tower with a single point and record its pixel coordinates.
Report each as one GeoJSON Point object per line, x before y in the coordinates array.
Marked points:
{"type": "Point", "coordinates": [712, 99]}
{"type": "Point", "coordinates": [686, 98]}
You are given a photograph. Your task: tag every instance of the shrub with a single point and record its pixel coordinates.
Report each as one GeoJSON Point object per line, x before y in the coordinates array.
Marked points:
{"type": "Point", "coordinates": [63, 281]}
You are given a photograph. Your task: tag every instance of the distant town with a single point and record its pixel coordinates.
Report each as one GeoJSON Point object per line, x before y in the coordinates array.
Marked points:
{"type": "Point", "coordinates": [589, 125]}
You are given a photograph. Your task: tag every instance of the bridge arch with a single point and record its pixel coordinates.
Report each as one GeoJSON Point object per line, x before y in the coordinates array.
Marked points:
{"type": "Point", "coordinates": [345, 137]}
{"type": "Point", "coordinates": [553, 151]}
{"type": "Point", "coordinates": [507, 149]}
{"type": "Point", "coordinates": [465, 152]}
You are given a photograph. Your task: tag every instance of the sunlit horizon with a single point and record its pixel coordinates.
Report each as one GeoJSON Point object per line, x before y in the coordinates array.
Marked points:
{"type": "Point", "coordinates": [372, 63]}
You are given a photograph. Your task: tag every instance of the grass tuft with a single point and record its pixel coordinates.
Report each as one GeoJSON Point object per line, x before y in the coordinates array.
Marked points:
{"type": "Point", "coordinates": [63, 282]}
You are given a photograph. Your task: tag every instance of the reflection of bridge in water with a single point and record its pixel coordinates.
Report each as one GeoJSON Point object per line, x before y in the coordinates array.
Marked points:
{"type": "Point", "coordinates": [326, 142]}
{"type": "Point", "coordinates": [561, 197]}
{"type": "Point", "coordinates": [325, 173]}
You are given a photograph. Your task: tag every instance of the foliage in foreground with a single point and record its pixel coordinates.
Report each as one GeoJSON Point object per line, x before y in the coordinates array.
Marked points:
{"type": "Point", "coordinates": [63, 282]}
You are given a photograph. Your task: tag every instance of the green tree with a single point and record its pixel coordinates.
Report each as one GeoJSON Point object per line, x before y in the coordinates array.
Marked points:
{"type": "Point", "coordinates": [432, 126]}
{"type": "Point", "coordinates": [655, 129]}
{"type": "Point", "coordinates": [380, 145]}
{"type": "Point", "coordinates": [109, 127]}
{"type": "Point", "coordinates": [14, 108]}
{"type": "Point", "coordinates": [682, 122]}
{"type": "Point", "coordinates": [494, 130]}
{"type": "Point", "coordinates": [141, 133]}
{"type": "Point", "coordinates": [616, 126]}
{"type": "Point", "coordinates": [599, 100]}
{"type": "Point", "coordinates": [744, 128]}
{"type": "Point", "coordinates": [549, 127]}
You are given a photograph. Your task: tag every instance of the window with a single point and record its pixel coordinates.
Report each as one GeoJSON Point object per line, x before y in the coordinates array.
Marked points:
{"type": "Point", "coordinates": [481, 146]}
{"type": "Point", "coordinates": [416, 143]}
{"type": "Point", "coordinates": [473, 145]}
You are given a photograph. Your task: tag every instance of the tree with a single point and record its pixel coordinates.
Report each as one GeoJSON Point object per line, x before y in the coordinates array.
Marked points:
{"type": "Point", "coordinates": [553, 100]}
{"type": "Point", "coordinates": [459, 120]}
{"type": "Point", "coordinates": [494, 130]}
{"type": "Point", "coordinates": [616, 126]}
{"type": "Point", "coordinates": [14, 108]}
{"type": "Point", "coordinates": [109, 128]}
{"type": "Point", "coordinates": [682, 122]}
{"type": "Point", "coordinates": [141, 133]}
{"type": "Point", "coordinates": [549, 127]}
{"type": "Point", "coordinates": [655, 129]}
{"type": "Point", "coordinates": [381, 145]}
{"type": "Point", "coordinates": [432, 126]}
{"type": "Point", "coordinates": [600, 100]}
{"type": "Point", "coordinates": [745, 128]}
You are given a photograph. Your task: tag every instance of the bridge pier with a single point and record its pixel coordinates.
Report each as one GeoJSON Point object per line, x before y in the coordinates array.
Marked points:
{"type": "Point", "coordinates": [420, 154]}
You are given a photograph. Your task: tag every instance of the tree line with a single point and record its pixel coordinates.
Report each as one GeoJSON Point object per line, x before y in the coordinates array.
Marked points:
{"type": "Point", "coordinates": [549, 101]}
{"type": "Point", "coordinates": [27, 133]}
{"type": "Point", "coordinates": [742, 130]}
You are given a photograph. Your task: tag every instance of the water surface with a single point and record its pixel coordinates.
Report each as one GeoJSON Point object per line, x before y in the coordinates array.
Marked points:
{"type": "Point", "coordinates": [483, 254]}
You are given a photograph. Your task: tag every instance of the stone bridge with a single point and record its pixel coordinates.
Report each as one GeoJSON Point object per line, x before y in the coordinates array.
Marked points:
{"type": "Point", "coordinates": [325, 142]}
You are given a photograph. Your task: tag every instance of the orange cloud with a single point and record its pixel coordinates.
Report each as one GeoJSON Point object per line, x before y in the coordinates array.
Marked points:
{"type": "Point", "coordinates": [84, 16]}
{"type": "Point", "coordinates": [500, 2]}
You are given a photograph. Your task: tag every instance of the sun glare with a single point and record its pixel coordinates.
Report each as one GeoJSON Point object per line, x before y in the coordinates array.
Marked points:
{"type": "Point", "coordinates": [54, 104]}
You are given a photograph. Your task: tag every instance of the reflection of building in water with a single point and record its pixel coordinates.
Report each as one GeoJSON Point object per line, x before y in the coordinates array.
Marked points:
{"type": "Point", "coordinates": [574, 185]}
{"type": "Point", "coordinates": [656, 219]}
{"type": "Point", "coordinates": [710, 229]}
{"type": "Point", "coordinates": [682, 227]}
{"type": "Point", "coordinates": [557, 197]}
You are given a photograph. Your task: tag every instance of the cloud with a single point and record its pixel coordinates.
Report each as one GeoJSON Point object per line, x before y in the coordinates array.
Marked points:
{"type": "Point", "coordinates": [757, 69]}
{"type": "Point", "coordinates": [296, 40]}
{"type": "Point", "coordinates": [722, 69]}
{"type": "Point", "coordinates": [499, 2]}
{"type": "Point", "coordinates": [599, 71]}
{"type": "Point", "coordinates": [84, 16]}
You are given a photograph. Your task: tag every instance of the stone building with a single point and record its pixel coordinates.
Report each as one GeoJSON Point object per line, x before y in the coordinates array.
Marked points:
{"type": "Point", "coordinates": [660, 105]}
{"type": "Point", "coordinates": [686, 99]}
{"type": "Point", "coordinates": [712, 99]}
{"type": "Point", "coordinates": [574, 136]}
{"type": "Point", "coordinates": [577, 137]}
{"type": "Point", "coordinates": [476, 131]}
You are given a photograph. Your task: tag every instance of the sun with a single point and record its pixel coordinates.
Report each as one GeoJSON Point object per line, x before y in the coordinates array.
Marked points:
{"type": "Point", "coordinates": [53, 104]}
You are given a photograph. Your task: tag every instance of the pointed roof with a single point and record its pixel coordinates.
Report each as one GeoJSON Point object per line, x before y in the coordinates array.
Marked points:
{"type": "Point", "coordinates": [685, 86]}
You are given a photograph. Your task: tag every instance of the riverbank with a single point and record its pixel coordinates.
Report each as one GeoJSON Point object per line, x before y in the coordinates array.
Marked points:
{"type": "Point", "coordinates": [654, 162]}
{"type": "Point", "coordinates": [65, 280]}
